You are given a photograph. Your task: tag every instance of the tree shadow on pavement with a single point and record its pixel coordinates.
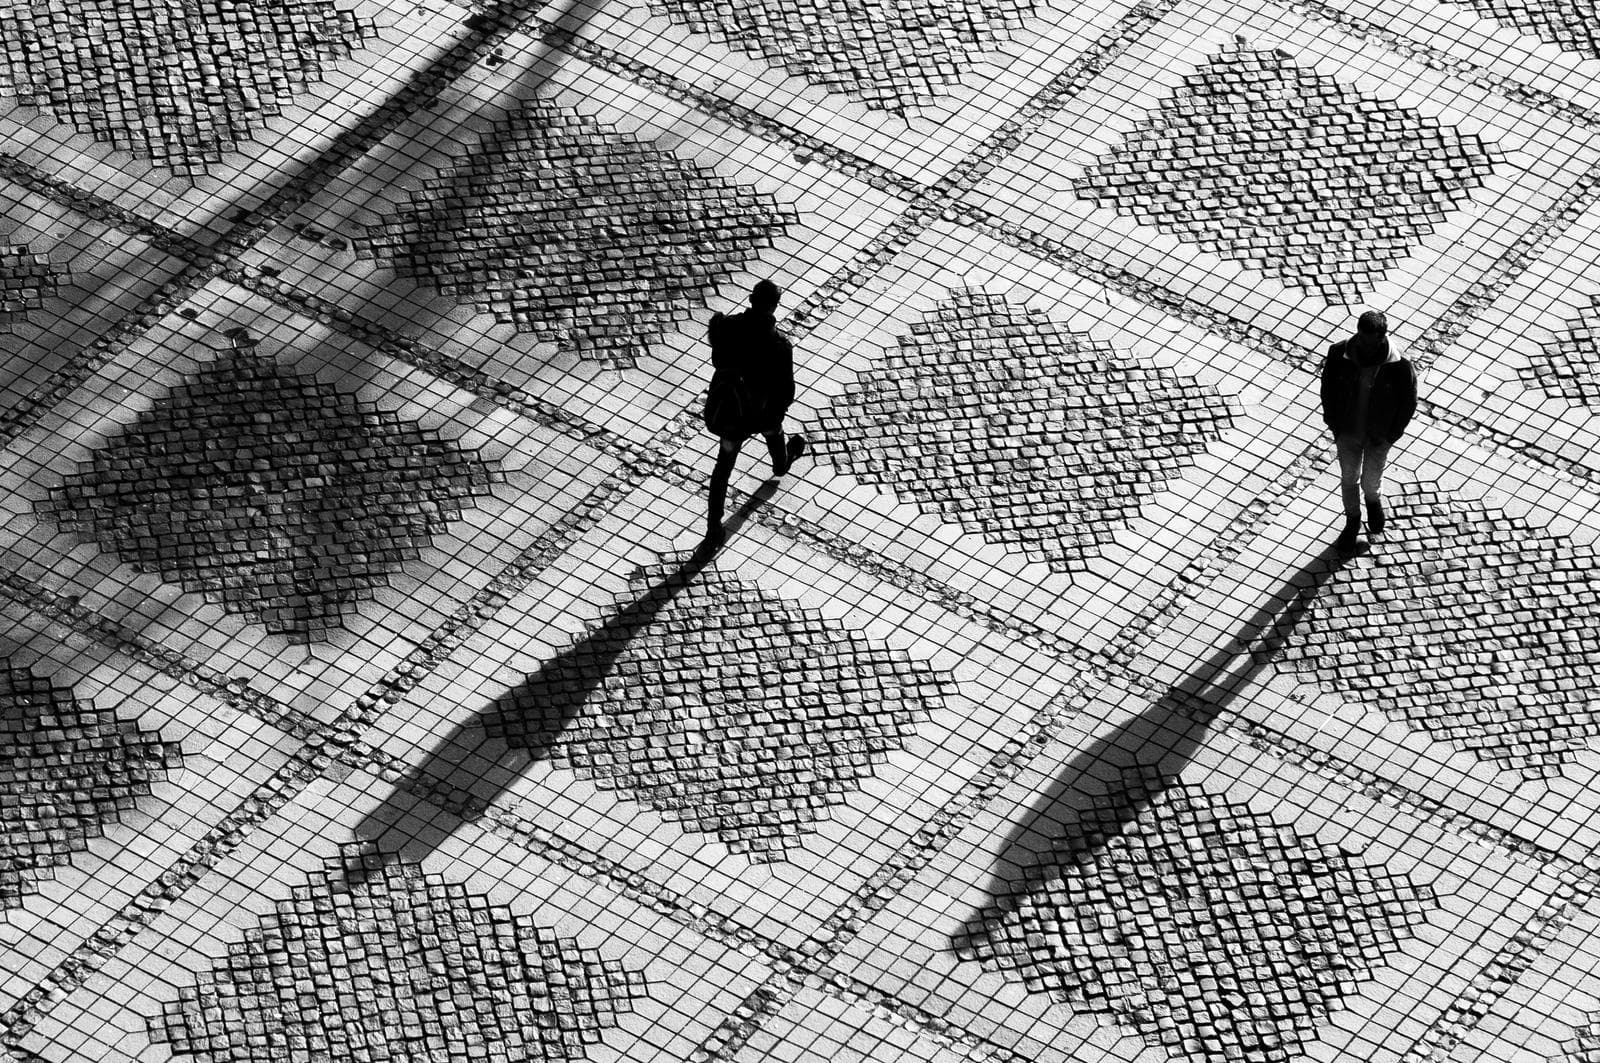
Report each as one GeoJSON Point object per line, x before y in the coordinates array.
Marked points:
{"type": "Point", "coordinates": [1168, 733]}
{"type": "Point", "coordinates": [474, 763]}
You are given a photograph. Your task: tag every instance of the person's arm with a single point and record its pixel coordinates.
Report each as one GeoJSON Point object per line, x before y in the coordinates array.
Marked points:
{"type": "Point", "coordinates": [1405, 404]}
{"type": "Point", "coordinates": [1330, 397]}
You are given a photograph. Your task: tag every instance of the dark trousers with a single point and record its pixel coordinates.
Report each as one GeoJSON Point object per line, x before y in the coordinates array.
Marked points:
{"type": "Point", "coordinates": [727, 454]}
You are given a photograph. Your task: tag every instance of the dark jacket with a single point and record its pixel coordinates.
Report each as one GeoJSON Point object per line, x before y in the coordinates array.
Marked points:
{"type": "Point", "coordinates": [749, 346]}
{"type": "Point", "coordinates": [1390, 403]}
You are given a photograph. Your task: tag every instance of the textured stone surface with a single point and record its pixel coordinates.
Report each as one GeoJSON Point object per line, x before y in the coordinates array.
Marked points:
{"type": "Point", "coordinates": [400, 966]}
{"type": "Point", "coordinates": [731, 711]}
{"type": "Point", "coordinates": [1034, 437]}
{"type": "Point", "coordinates": [893, 54]}
{"type": "Point", "coordinates": [1569, 366]}
{"type": "Point", "coordinates": [175, 81]}
{"type": "Point", "coordinates": [1258, 159]}
{"type": "Point", "coordinates": [26, 280]}
{"type": "Point", "coordinates": [1203, 925]}
{"type": "Point", "coordinates": [66, 770]}
{"type": "Point", "coordinates": [577, 233]}
{"type": "Point", "coordinates": [1479, 628]}
{"type": "Point", "coordinates": [273, 493]}
{"type": "Point", "coordinates": [1573, 25]}
{"type": "Point", "coordinates": [1583, 1046]}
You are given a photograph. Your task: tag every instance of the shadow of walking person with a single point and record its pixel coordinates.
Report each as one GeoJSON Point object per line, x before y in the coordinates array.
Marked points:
{"type": "Point", "coordinates": [1168, 732]}
{"type": "Point", "coordinates": [481, 758]}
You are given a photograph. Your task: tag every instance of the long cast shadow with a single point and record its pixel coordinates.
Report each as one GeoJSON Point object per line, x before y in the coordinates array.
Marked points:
{"type": "Point", "coordinates": [1166, 734]}
{"type": "Point", "coordinates": [475, 763]}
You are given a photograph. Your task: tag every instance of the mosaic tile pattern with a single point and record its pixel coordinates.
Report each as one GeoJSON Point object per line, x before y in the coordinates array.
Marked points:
{"type": "Point", "coordinates": [400, 966]}
{"type": "Point", "coordinates": [996, 417]}
{"type": "Point", "coordinates": [1573, 25]}
{"type": "Point", "coordinates": [66, 770]}
{"type": "Point", "coordinates": [576, 233]}
{"type": "Point", "coordinates": [272, 493]}
{"type": "Point", "coordinates": [1569, 366]}
{"type": "Point", "coordinates": [892, 54]}
{"type": "Point", "coordinates": [1287, 171]}
{"type": "Point", "coordinates": [175, 81]}
{"type": "Point", "coordinates": [26, 280]}
{"type": "Point", "coordinates": [724, 708]}
{"type": "Point", "coordinates": [1475, 626]}
{"type": "Point", "coordinates": [1201, 924]}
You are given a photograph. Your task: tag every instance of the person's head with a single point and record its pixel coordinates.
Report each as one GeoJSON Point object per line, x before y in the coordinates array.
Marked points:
{"type": "Point", "coordinates": [764, 296]}
{"type": "Point", "coordinates": [1370, 345]}
{"type": "Point", "coordinates": [1372, 323]}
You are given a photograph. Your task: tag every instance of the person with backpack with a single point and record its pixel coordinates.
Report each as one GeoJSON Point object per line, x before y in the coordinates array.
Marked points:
{"type": "Point", "coordinates": [1369, 393]}
{"type": "Point", "coordinates": [752, 385]}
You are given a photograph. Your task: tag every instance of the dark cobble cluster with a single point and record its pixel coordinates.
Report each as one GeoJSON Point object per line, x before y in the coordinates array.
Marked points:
{"type": "Point", "coordinates": [577, 233]}
{"type": "Point", "coordinates": [178, 82]}
{"type": "Point", "coordinates": [1569, 366]}
{"type": "Point", "coordinates": [399, 966]}
{"type": "Point", "coordinates": [1257, 159]}
{"type": "Point", "coordinates": [66, 770]}
{"type": "Point", "coordinates": [724, 708]}
{"type": "Point", "coordinates": [1573, 25]}
{"type": "Point", "coordinates": [273, 493]}
{"type": "Point", "coordinates": [994, 416]}
{"type": "Point", "coordinates": [892, 54]}
{"type": "Point", "coordinates": [1205, 926]}
{"type": "Point", "coordinates": [26, 280]}
{"type": "Point", "coordinates": [1475, 626]}
{"type": "Point", "coordinates": [1583, 1046]}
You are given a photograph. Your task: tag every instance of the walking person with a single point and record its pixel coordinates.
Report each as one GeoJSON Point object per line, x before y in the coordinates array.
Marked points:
{"type": "Point", "coordinates": [751, 388]}
{"type": "Point", "coordinates": [1369, 393]}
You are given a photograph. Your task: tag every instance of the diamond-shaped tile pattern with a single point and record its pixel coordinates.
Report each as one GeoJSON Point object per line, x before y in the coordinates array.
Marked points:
{"type": "Point", "coordinates": [1201, 924]}
{"type": "Point", "coordinates": [1032, 436]}
{"type": "Point", "coordinates": [893, 54]}
{"type": "Point", "coordinates": [1569, 366]}
{"type": "Point", "coordinates": [1570, 24]}
{"type": "Point", "coordinates": [66, 770]}
{"type": "Point", "coordinates": [1475, 626]}
{"type": "Point", "coordinates": [577, 233]}
{"type": "Point", "coordinates": [1286, 170]}
{"type": "Point", "coordinates": [399, 965]}
{"type": "Point", "coordinates": [26, 280]}
{"type": "Point", "coordinates": [273, 493]}
{"type": "Point", "coordinates": [175, 81]}
{"type": "Point", "coordinates": [723, 707]}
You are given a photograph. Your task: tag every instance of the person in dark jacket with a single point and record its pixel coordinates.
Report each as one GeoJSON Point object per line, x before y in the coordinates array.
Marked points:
{"type": "Point", "coordinates": [752, 387]}
{"type": "Point", "coordinates": [1369, 393]}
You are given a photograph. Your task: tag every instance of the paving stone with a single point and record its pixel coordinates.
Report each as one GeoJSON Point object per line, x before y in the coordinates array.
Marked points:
{"type": "Point", "coordinates": [1583, 1046]}
{"type": "Point", "coordinates": [66, 770]}
{"type": "Point", "coordinates": [1260, 160]}
{"type": "Point", "coordinates": [996, 417]}
{"type": "Point", "coordinates": [1570, 24]}
{"type": "Point", "coordinates": [1569, 366]}
{"type": "Point", "coordinates": [577, 233]}
{"type": "Point", "coordinates": [273, 493]}
{"type": "Point", "coordinates": [1477, 627]}
{"type": "Point", "coordinates": [892, 54]}
{"type": "Point", "coordinates": [723, 707]}
{"type": "Point", "coordinates": [401, 966]}
{"type": "Point", "coordinates": [175, 81]}
{"type": "Point", "coordinates": [26, 280]}
{"type": "Point", "coordinates": [1203, 925]}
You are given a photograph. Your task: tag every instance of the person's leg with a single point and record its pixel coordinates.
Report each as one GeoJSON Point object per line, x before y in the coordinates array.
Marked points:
{"type": "Point", "coordinates": [727, 454]}
{"type": "Point", "coordinates": [777, 449]}
{"type": "Point", "coordinates": [1350, 455]}
{"type": "Point", "coordinates": [1373, 461]}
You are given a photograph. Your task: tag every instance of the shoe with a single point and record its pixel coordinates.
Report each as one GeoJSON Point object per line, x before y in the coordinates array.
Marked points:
{"type": "Point", "coordinates": [713, 541]}
{"type": "Point", "coordinates": [1347, 540]}
{"type": "Point", "coordinates": [1374, 516]}
{"type": "Point", "coordinates": [792, 453]}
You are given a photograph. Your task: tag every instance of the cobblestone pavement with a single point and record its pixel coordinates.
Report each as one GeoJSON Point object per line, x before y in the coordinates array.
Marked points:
{"type": "Point", "coordinates": [364, 698]}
